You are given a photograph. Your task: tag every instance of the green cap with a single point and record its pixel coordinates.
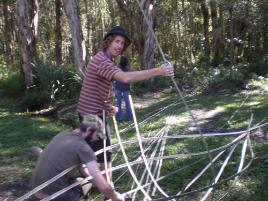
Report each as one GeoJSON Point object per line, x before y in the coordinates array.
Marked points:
{"type": "Point", "coordinates": [95, 123]}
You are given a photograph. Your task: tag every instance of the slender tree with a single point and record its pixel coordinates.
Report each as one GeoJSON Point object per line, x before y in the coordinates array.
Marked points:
{"type": "Point", "coordinates": [149, 8]}
{"type": "Point", "coordinates": [58, 33]}
{"type": "Point", "coordinates": [215, 32]}
{"type": "Point", "coordinates": [231, 31]}
{"type": "Point", "coordinates": [79, 48]}
{"type": "Point", "coordinates": [8, 30]}
{"type": "Point", "coordinates": [204, 9]}
{"type": "Point", "coordinates": [177, 28]}
{"type": "Point", "coordinates": [27, 18]}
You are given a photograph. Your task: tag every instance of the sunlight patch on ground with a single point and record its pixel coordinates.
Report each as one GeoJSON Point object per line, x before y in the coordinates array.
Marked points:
{"type": "Point", "coordinates": [202, 117]}
{"type": "Point", "coordinates": [204, 114]}
{"type": "Point", "coordinates": [3, 114]}
{"type": "Point", "coordinates": [147, 100]}
{"type": "Point", "coordinates": [253, 103]}
{"type": "Point", "coordinates": [170, 120]}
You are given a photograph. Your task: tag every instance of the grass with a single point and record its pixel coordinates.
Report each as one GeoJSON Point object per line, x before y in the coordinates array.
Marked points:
{"type": "Point", "coordinates": [18, 133]}
{"type": "Point", "coordinates": [228, 112]}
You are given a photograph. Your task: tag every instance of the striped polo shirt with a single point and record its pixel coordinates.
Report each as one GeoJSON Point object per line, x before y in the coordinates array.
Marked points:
{"type": "Point", "coordinates": [97, 91]}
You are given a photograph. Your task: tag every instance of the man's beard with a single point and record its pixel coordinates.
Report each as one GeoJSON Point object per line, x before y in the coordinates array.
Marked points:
{"type": "Point", "coordinates": [88, 139]}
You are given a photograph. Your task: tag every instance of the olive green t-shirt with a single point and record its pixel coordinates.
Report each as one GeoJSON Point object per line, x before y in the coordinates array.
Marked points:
{"type": "Point", "coordinates": [65, 150]}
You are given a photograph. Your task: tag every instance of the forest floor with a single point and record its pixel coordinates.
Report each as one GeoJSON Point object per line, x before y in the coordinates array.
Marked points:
{"type": "Point", "coordinates": [14, 179]}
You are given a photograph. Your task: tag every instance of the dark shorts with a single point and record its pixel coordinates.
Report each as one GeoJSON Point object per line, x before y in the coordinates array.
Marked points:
{"type": "Point", "coordinates": [75, 194]}
{"type": "Point", "coordinates": [98, 145]}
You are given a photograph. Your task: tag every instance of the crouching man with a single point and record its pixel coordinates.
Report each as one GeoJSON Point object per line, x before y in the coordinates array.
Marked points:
{"type": "Point", "coordinates": [69, 148]}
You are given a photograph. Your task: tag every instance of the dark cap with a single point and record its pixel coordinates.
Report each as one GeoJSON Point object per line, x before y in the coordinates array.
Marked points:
{"type": "Point", "coordinates": [118, 30]}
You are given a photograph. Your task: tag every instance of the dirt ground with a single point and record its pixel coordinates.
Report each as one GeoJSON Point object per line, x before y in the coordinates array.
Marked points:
{"type": "Point", "coordinates": [11, 184]}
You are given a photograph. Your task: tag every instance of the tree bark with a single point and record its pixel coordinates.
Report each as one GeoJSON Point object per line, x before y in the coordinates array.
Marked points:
{"type": "Point", "coordinates": [149, 45]}
{"type": "Point", "coordinates": [185, 43]}
{"type": "Point", "coordinates": [8, 30]}
{"type": "Point", "coordinates": [112, 12]}
{"type": "Point", "coordinates": [221, 28]}
{"type": "Point", "coordinates": [79, 49]}
{"type": "Point", "coordinates": [265, 38]}
{"type": "Point", "coordinates": [232, 52]}
{"type": "Point", "coordinates": [27, 18]}
{"type": "Point", "coordinates": [177, 29]}
{"type": "Point", "coordinates": [88, 39]}
{"type": "Point", "coordinates": [205, 13]}
{"type": "Point", "coordinates": [215, 32]}
{"type": "Point", "coordinates": [58, 33]}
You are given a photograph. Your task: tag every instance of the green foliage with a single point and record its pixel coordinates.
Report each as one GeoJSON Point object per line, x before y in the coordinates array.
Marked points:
{"type": "Point", "coordinates": [52, 84]}
{"type": "Point", "coordinates": [153, 85]}
{"type": "Point", "coordinates": [2, 67]}
{"type": "Point", "coordinates": [260, 68]}
{"type": "Point", "coordinates": [214, 79]}
{"type": "Point", "coordinates": [34, 99]}
{"type": "Point", "coordinates": [11, 81]}
{"type": "Point", "coordinates": [55, 83]}
{"type": "Point", "coordinates": [12, 84]}
{"type": "Point", "coordinates": [224, 78]}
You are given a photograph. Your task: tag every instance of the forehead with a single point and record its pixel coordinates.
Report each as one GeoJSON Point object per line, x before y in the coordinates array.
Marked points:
{"type": "Point", "coordinates": [119, 38]}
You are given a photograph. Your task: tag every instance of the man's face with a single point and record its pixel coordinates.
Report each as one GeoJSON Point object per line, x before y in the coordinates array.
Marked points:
{"type": "Point", "coordinates": [116, 46]}
{"type": "Point", "coordinates": [92, 136]}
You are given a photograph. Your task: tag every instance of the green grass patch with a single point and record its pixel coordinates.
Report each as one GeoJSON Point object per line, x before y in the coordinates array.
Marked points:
{"type": "Point", "coordinates": [18, 133]}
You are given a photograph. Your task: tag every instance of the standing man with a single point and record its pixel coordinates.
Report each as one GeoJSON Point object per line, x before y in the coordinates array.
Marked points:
{"type": "Point", "coordinates": [122, 90]}
{"type": "Point", "coordinates": [97, 91]}
{"type": "Point", "coordinates": [67, 149]}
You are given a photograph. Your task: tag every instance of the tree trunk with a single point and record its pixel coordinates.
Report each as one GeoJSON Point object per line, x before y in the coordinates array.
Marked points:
{"type": "Point", "coordinates": [58, 34]}
{"type": "Point", "coordinates": [149, 46]}
{"type": "Point", "coordinates": [88, 39]}
{"type": "Point", "coordinates": [265, 38]}
{"type": "Point", "coordinates": [215, 32]}
{"type": "Point", "coordinates": [185, 43]}
{"type": "Point", "coordinates": [232, 52]}
{"type": "Point", "coordinates": [221, 42]}
{"type": "Point", "coordinates": [112, 12]}
{"type": "Point", "coordinates": [8, 30]}
{"type": "Point", "coordinates": [27, 22]}
{"type": "Point", "coordinates": [177, 29]}
{"type": "Point", "coordinates": [79, 49]}
{"type": "Point", "coordinates": [205, 13]}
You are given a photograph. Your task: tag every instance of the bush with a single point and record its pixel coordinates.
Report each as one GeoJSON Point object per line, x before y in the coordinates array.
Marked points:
{"type": "Point", "coordinates": [52, 84]}
{"type": "Point", "coordinates": [58, 81]}
{"type": "Point", "coordinates": [260, 68]}
{"type": "Point", "coordinates": [225, 78]}
{"type": "Point", "coordinates": [34, 99]}
{"type": "Point", "coordinates": [154, 84]}
{"type": "Point", "coordinates": [12, 84]}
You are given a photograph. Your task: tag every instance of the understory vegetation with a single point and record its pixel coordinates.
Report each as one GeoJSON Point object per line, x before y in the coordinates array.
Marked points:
{"type": "Point", "coordinates": [59, 85]}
